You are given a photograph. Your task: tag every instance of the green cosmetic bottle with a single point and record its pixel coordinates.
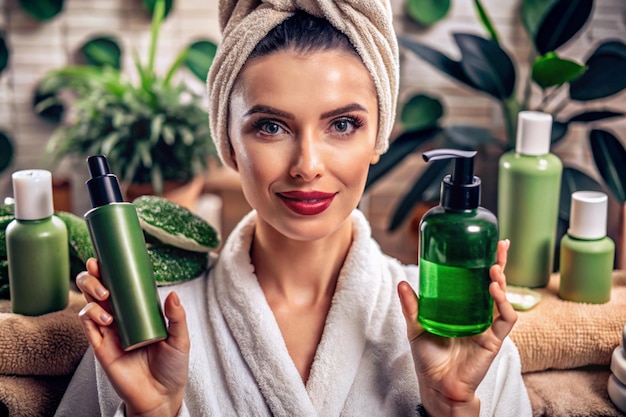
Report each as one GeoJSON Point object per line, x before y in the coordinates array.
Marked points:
{"type": "Point", "coordinates": [529, 182]}
{"type": "Point", "coordinates": [457, 247]}
{"type": "Point", "coordinates": [125, 266]}
{"type": "Point", "coordinates": [37, 247]}
{"type": "Point", "coordinates": [586, 252]}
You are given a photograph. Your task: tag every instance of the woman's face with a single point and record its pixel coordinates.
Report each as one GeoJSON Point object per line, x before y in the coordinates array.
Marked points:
{"type": "Point", "coordinates": [303, 130]}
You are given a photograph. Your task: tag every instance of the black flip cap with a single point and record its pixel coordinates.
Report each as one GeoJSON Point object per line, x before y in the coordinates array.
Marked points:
{"type": "Point", "coordinates": [103, 187]}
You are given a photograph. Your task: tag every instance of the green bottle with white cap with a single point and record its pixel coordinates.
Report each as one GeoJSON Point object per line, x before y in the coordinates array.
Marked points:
{"type": "Point", "coordinates": [587, 253]}
{"type": "Point", "coordinates": [529, 183]}
{"type": "Point", "coordinates": [37, 247]}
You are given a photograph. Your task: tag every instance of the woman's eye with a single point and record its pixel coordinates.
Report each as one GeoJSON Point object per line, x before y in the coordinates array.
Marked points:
{"type": "Point", "coordinates": [268, 127]}
{"type": "Point", "coordinates": [346, 125]}
{"type": "Point", "coordinates": [271, 128]}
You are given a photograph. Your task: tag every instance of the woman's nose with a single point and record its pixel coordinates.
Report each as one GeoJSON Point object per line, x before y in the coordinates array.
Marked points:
{"type": "Point", "coordinates": [308, 161]}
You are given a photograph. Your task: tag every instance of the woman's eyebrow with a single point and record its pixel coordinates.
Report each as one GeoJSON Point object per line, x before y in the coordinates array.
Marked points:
{"type": "Point", "coordinates": [261, 108]}
{"type": "Point", "coordinates": [345, 109]}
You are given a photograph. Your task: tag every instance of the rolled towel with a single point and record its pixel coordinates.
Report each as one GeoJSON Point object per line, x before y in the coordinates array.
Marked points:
{"type": "Point", "coordinates": [22, 396]}
{"type": "Point", "coordinates": [47, 345]}
{"type": "Point", "coordinates": [367, 23]}
{"type": "Point", "coordinates": [559, 334]}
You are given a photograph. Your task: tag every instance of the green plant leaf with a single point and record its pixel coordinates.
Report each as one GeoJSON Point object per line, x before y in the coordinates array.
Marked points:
{"type": "Point", "coordinates": [605, 75]}
{"type": "Point", "coordinates": [4, 53]}
{"type": "Point", "coordinates": [559, 129]}
{"type": "Point", "coordinates": [573, 180]}
{"type": "Point", "coordinates": [399, 149]}
{"type": "Point", "coordinates": [6, 151]}
{"type": "Point", "coordinates": [421, 112]}
{"type": "Point", "coordinates": [438, 60]}
{"type": "Point", "coordinates": [561, 23]}
{"type": "Point", "coordinates": [594, 116]}
{"type": "Point", "coordinates": [199, 58]}
{"type": "Point", "coordinates": [46, 103]}
{"type": "Point", "coordinates": [533, 13]}
{"type": "Point", "coordinates": [42, 9]}
{"type": "Point", "coordinates": [102, 51]}
{"type": "Point", "coordinates": [487, 65]}
{"type": "Point", "coordinates": [427, 12]}
{"type": "Point", "coordinates": [486, 21]}
{"type": "Point", "coordinates": [433, 174]}
{"type": "Point", "coordinates": [550, 70]}
{"type": "Point", "coordinates": [150, 4]}
{"type": "Point", "coordinates": [609, 156]}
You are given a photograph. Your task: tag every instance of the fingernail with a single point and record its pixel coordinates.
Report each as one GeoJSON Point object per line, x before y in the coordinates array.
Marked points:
{"type": "Point", "coordinates": [101, 292]}
{"type": "Point", "coordinates": [106, 318]}
{"type": "Point", "coordinates": [507, 243]}
{"type": "Point", "coordinates": [175, 299]}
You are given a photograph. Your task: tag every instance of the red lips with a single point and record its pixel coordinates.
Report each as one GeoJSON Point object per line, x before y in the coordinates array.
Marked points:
{"type": "Point", "coordinates": [306, 203]}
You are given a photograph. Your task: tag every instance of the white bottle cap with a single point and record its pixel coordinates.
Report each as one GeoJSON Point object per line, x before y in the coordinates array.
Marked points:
{"type": "Point", "coordinates": [32, 189]}
{"type": "Point", "coordinates": [534, 130]}
{"type": "Point", "coordinates": [588, 215]}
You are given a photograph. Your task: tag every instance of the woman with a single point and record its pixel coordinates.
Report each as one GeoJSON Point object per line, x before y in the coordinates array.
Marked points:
{"type": "Point", "coordinates": [299, 315]}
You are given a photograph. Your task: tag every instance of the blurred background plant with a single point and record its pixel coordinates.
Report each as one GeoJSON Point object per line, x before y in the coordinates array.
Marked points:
{"type": "Point", "coordinates": [554, 84]}
{"type": "Point", "coordinates": [153, 131]}
{"type": "Point", "coordinates": [6, 143]}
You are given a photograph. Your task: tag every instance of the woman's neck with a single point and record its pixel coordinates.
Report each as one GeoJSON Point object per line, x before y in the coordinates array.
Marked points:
{"type": "Point", "coordinates": [299, 274]}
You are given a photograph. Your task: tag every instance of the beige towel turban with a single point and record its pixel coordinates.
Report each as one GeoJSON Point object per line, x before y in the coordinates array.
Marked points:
{"type": "Point", "coordinates": [367, 23]}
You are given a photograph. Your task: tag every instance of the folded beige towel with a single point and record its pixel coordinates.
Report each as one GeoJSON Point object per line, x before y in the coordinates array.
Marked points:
{"type": "Point", "coordinates": [559, 334]}
{"type": "Point", "coordinates": [47, 345]}
{"type": "Point", "coordinates": [22, 396]}
{"type": "Point", "coordinates": [367, 23]}
{"type": "Point", "coordinates": [577, 392]}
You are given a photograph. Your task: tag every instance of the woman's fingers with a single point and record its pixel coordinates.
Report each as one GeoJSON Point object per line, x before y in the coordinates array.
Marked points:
{"type": "Point", "coordinates": [177, 323]}
{"type": "Point", "coordinates": [89, 284]}
{"type": "Point", "coordinates": [506, 318]}
{"type": "Point", "coordinates": [408, 300]}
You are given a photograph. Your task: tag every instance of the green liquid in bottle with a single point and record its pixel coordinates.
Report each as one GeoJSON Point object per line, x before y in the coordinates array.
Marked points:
{"type": "Point", "coordinates": [453, 300]}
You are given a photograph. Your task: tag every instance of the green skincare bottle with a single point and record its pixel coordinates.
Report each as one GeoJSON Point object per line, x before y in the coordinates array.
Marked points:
{"type": "Point", "coordinates": [125, 266]}
{"type": "Point", "coordinates": [529, 182]}
{"type": "Point", "coordinates": [586, 252]}
{"type": "Point", "coordinates": [37, 247]}
{"type": "Point", "coordinates": [457, 247]}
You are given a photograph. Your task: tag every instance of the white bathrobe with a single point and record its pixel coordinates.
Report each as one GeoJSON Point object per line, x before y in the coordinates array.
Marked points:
{"type": "Point", "coordinates": [239, 364]}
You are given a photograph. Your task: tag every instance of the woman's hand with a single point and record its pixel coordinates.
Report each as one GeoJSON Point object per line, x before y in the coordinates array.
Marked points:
{"type": "Point", "coordinates": [450, 370]}
{"type": "Point", "coordinates": [150, 380]}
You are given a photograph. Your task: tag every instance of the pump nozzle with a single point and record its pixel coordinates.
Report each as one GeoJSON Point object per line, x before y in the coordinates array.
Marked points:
{"type": "Point", "coordinates": [461, 189]}
{"type": "Point", "coordinates": [103, 186]}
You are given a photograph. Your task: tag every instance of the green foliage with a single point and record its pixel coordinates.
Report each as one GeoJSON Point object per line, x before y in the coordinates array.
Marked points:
{"type": "Point", "coordinates": [6, 151]}
{"type": "Point", "coordinates": [152, 131]}
{"type": "Point", "coordinates": [42, 9]}
{"type": "Point", "coordinates": [427, 12]}
{"type": "Point", "coordinates": [486, 67]}
{"type": "Point", "coordinates": [102, 51]}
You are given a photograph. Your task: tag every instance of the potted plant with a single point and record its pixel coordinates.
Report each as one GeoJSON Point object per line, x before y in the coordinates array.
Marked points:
{"type": "Point", "coordinates": [154, 132]}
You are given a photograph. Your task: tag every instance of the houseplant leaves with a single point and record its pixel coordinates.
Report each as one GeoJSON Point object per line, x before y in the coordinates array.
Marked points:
{"type": "Point", "coordinates": [102, 51]}
{"type": "Point", "coordinates": [421, 112]}
{"type": "Point", "coordinates": [550, 70]}
{"type": "Point", "coordinates": [199, 58]}
{"type": "Point", "coordinates": [4, 53]}
{"type": "Point", "coordinates": [150, 5]}
{"type": "Point", "coordinates": [42, 9]}
{"type": "Point", "coordinates": [610, 158]}
{"type": "Point", "coordinates": [427, 12]}
{"type": "Point", "coordinates": [562, 21]}
{"type": "Point", "coordinates": [605, 73]}
{"type": "Point", "coordinates": [6, 151]}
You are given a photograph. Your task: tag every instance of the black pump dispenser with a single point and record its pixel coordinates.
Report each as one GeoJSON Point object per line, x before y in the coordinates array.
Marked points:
{"type": "Point", "coordinates": [461, 189]}
{"type": "Point", "coordinates": [103, 186]}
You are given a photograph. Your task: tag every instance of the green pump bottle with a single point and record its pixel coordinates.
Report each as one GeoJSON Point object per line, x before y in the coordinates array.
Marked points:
{"type": "Point", "coordinates": [458, 242]}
